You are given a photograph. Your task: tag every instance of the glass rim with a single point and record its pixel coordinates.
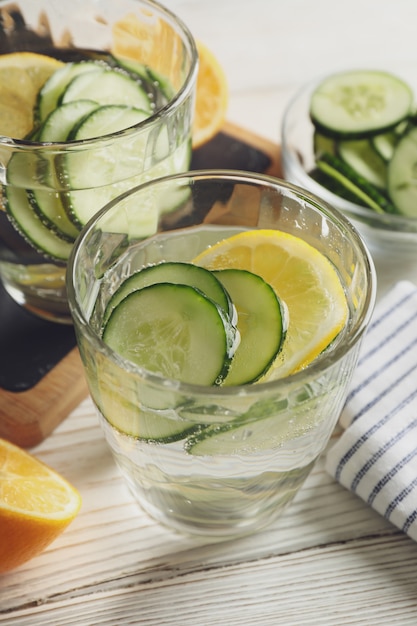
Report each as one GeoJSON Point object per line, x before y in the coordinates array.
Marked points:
{"type": "Point", "coordinates": [319, 365]}
{"type": "Point", "coordinates": [403, 225]}
{"type": "Point", "coordinates": [171, 106]}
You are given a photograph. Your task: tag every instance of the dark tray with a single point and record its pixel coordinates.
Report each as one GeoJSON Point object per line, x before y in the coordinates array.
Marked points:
{"type": "Point", "coordinates": [31, 347]}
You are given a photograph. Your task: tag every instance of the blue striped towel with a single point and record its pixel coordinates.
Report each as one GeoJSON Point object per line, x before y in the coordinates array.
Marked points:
{"type": "Point", "coordinates": [376, 455]}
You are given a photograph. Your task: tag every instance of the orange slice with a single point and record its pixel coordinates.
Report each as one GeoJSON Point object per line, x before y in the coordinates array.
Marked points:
{"type": "Point", "coordinates": [212, 97]}
{"type": "Point", "coordinates": [133, 39]}
{"type": "Point", "coordinates": [36, 505]}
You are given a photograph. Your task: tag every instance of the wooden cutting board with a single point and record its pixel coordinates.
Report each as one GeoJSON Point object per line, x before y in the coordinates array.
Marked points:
{"type": "Point", "coordinates": [41, 375]}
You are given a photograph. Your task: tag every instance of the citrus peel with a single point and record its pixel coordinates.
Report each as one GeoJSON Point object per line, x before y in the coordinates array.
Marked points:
{"type": "Point", "coordinates": [36, 505]}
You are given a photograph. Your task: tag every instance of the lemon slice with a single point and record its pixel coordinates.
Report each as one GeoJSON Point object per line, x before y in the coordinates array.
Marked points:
{"type": "Point", "coordinates": [22, 74]}
{"type": "Point", "coordinates": [211, 99]}
{"type": "Point", "coordinates": [36, 505]}
{"type": "Point", "coordinates": [303, 279]}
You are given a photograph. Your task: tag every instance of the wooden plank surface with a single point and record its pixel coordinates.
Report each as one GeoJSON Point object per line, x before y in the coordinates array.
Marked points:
{"type": "Point", "coordinates": [328, 558]}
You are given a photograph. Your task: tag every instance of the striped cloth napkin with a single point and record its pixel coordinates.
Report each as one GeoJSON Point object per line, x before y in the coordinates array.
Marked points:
{"type": "Point", "coordinates": [376, 455]}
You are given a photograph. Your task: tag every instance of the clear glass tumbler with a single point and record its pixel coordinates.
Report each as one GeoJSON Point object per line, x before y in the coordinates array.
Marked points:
{"type": "Point", "coordinates": [264, 437]}
{"type": "Point", "coordinates": [50, 187]}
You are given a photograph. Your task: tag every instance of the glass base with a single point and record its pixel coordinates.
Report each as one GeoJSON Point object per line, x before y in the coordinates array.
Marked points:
{"type": "Point", "coordinates": [218, 512]}
{"type": "Point", "coordinates": [221, 531]}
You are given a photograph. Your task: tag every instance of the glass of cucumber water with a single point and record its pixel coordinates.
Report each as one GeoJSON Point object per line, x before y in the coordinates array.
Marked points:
{"type": "Point", "coordinates": [218, 348]}
{"type": "Point", "coordinates": [97, 97]}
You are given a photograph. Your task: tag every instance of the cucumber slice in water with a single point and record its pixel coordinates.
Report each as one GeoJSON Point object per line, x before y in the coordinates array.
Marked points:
{"type": "Point", "coordinates": [106, 119]}
{"type": "Point", "coordinates": [107, 86]}
{"type": "Point", "coordinates": [148, 75]}
{"type": "Point", "coordinates": [360, 103]}
{"type": "Point", "coordinates": [174, 331]}
{"type": "Point", "coordinates": [52, 90]}
{"type": "Point", "coordinates": [155, 426]}
{"type": "Point", "coordinates": [176, 273]}
{"type": "Point", "coordinates": [260, 324]}
{"type": "Point", "coordinates": [50, 210]}
{"type": "Point", "coordinates": [268, 424]}
{"type": "Point", "coordinates": [90, 174]}
{"type": "Point", "coordinates": [42, 238]}
{"type": "Point", "coordinates": [244, 437]}
{"type": "Point", "coordinates": [62, 120]}
{"type": "Point", "coordinates": [43, 201]}
{"type": "Point", "coordinates": [96, 178]}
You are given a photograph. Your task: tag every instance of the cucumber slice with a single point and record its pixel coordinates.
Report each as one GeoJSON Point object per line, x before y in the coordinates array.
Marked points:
{"type": "Point", "coordinates": [52, 90]}
{"type": "Point", "coordinates": [267, 425]}
{"type": "Point", "coordinates": [48, 206]}
{"type": "Point", "coordinates": [56, 128]}
{"type": "Point", "coordinates": [361, 156]}
{"type": "Point", "coordinates": [240, 437]}
{"type": "Point", "coordinates": [264, 426]}
{"type": "Point", "coordinates": [106, 119]}
{"type": "Point", "coordinates": [90, 186]}
{"type": "Point", "coordinates": [163, 83]}
{"type": "Point", "coordinates": [367, 194]}
{"type": "Point", "coordinates": [333, 185]}
{"type": "Point", "coordinates": [149, 75]}
{"type": "Point", "coordinates": [357, 104]}
{"type": "Point", "coordinates": [402, 168]}
{"type": "Point", "coordinates": [107, 86]}
{"type": "Point", "coordinates": [59, 123]}
{"type": "Point", "coordinates": [155, 80]}
{"type": "Point", "coordinates": [260, 323]}
{"type": "Point", "coordinates": [384, 144]}
{"type": "Point", "coordinates": [133, 67]}
{"type": "Point", "coordinates": [97, 178]}
{"type": "Point", "coordinates": [25, 220]}
{"type": "Point", "coordinates": [154, 426]}
{"type": "Point", "coordinates": [90, 175]}
{"type": "Point", "coordinates": [174, 331]}
{"type": "Point", "coordinates": [322, 144]}
{"type": "Point", "coordinates": [177, 273]}
{"type": "Point", "coordinates": [43, 202]}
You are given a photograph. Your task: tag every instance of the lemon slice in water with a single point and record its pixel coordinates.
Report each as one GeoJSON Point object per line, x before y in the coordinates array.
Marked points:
{"type": "Point", "coordinates": [303, 278]}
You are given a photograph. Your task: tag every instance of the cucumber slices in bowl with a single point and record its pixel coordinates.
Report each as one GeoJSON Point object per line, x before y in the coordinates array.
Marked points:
{"type": "Point", "coordinates": [364, 140]}
{"type": "Point", "coordinates": [360, 103]}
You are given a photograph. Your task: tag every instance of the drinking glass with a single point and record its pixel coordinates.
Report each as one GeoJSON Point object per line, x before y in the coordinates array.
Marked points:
{"type": "Point", "coordinates": [264, 437]}
{"type": "Point", "coordinates": [38, 193]}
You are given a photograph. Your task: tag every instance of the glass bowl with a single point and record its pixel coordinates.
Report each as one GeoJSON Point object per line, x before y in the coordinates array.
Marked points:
{"type": "Point", "coordinates": [380, 231]}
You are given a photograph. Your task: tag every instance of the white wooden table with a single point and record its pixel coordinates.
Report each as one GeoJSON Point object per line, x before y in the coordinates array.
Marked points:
{"type": "Point", "coordinates": [330, 560]}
